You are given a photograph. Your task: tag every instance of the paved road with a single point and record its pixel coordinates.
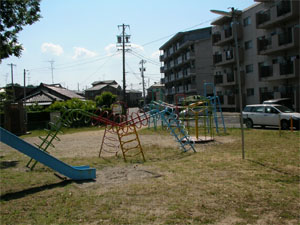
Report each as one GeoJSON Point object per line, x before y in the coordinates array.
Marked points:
{"type": "Point", "coordinates": [230, 119]}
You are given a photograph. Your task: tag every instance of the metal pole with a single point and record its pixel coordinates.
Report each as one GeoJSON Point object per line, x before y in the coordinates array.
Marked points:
{"type": "Point", "coordinates": [24, 101]}
{"type": "Point", "coordinates": [235, 22]}
{"type": "Point", "coordinates": [123, 51]}
{"type": "Point", "coordinates": [143, 81]}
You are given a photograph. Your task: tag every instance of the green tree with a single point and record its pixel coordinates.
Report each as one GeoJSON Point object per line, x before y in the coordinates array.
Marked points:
{"type": "Point", "coordinates": [105, 99]}
{"type": "Point", "coordinates": [14, 15]}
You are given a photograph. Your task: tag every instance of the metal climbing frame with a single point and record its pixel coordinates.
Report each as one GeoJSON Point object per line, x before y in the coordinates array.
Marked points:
{"type": "Point", "coordinates": [177, 129]}
{"type": "Point", "coordinates": [129, 141]}
{"type": "Point", "coordinates": [109, 140]}
{"type": "Point", "coordinates": [214, 100]}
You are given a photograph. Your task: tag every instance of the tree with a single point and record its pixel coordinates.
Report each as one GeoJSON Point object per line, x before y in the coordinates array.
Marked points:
{"type": "Point", "coordinates": [14, 15]}
{"type": "Point", "coordinates": [105, 99]}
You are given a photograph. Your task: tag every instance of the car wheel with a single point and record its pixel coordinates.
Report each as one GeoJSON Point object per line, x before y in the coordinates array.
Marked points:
{"type": "Point", "coordinates": [249, 123]}
{"type": "Point", "coordinates": [284, 125]}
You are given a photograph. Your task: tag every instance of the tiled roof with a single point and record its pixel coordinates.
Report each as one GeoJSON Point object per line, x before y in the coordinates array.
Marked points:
{"type": "Point", "coordinates": [42, 97]}
{"type": "Point", "coordinates": [101, 86]}
{"type": "Point", "coordinates": [104, 82]}
{"type": "Point", "coordinates": [63, 91]}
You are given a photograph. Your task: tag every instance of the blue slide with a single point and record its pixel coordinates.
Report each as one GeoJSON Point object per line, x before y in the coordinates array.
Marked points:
{"type": "Point", "coordinates": [73, 172]}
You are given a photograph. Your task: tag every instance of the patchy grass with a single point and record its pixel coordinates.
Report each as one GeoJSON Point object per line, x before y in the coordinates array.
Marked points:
{"type": "Point", "coordinates": [64, 130]}
{"type": "Point", "coordinates": [214, 186]}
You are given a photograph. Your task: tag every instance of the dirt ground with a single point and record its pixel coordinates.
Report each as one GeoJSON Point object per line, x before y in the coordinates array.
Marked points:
{"type": "Point", "coordinates": [87, 144]}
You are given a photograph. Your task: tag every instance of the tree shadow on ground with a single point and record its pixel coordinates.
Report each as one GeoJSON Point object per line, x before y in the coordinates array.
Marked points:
{"type": "Point", "coordinates": [8, 164]}
{"type": "Point", "coordinates": [292, 178]}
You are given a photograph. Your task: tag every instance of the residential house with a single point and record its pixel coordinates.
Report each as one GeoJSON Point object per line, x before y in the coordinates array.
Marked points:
{"type": "Point", "coordinates": [133, 98]}
{"type": "Point", "coordinates": [156, 92]}
{"type": "Point", "coordinates": [46, 94]}
{"type": "Point", "coordinates": [100, 86]}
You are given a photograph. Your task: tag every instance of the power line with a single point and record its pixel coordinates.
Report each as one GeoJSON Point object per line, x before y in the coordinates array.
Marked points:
{"type": "Point", "coordinates": [83, 82]}
{"type": "Point", "coordinates": [142, 57]}
{"type": "Point", "coordinates": [52, 68]}
{"type": "Point", "coordinates": [162, 38]}
{"type": "Point", "coordinates": [149, 59]}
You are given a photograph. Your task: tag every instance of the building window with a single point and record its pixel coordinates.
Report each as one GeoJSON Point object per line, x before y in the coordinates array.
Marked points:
{"type": "Point", "coordinates": [247, 21]}
{"type": "Point", "coordinates": [249, 68]}
{"type": "Point", "coordinates": [250, 91]}
{"type": "Point", "coordinates": [248, 44]}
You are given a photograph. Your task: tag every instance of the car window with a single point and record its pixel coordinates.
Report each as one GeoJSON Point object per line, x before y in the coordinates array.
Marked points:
{"type": "Point", "coordinates": [284, 109]}
{"type": "Point", "coordinates": [247, 109]}
{"type": "Point", "coordinates": [270, 109]}
{"type": "Point", "coordinates": [258, 109]}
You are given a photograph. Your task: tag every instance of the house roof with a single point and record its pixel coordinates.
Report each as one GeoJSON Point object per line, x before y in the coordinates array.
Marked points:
{"type": "Point", "coordinates": [111, 82]}
{"type": "Point", "coordinates": [156, 85]}
{"type": "Point", "coordinates": [63, 91]}
{"type": "Point", "coordinates": [42, 98]}
{"type": "Point", "coordinates": [101, 86]}
{"type": "Point", "coordinates": [50, 93]}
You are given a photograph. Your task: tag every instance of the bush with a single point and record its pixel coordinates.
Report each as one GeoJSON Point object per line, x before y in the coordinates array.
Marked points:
{"type": "Point", "coordinates": [105, 99]}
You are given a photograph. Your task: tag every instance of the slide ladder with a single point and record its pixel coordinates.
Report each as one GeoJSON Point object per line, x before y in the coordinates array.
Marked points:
{"type": "Point", "coordinates": [46, 142]}
{"type": "Point", "coordinates": [177, 130]}
{"type": "Point", "coordinates": [129, 141]}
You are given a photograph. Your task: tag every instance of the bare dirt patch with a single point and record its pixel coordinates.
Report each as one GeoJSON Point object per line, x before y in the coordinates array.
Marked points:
{"type": "Point", "coordinates": [87, 144]}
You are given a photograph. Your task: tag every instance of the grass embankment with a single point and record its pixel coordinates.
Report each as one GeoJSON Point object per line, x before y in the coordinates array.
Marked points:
{"type": "Point", "coordinates": [213, 186]}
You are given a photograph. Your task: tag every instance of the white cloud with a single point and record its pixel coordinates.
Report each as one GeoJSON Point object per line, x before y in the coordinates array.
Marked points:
{"type": "Point", "coordinates": [112, 49]}
{"type": "Point", "coordinates": [155, 55]}
{"type": "Point", "coordinates": [83, 53]}
{"type": "Point", "coordinates": [137, 47]}
{"type": "Point", "coordinates": [52, 48]}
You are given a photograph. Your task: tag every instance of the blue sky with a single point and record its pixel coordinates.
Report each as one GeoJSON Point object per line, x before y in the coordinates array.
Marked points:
{"type": "Point", "coordinates": [80, 37]}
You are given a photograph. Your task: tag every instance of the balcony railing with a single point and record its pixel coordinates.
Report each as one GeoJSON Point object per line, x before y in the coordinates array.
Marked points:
{"type": "Point", "coordinates": [286, 68]}
{"type": "Point", "coordinates": [161, 58]}
{"type": "Point", "coordinates": [265, 71]}
{"type": "Point", "coordinates": [162, 69]}
{"type": "Point", "coordinates": [217, 58]}
{"type": "Point", "coordinates": [216, 38]}
{"type": "Point", "coordinates": [285, 38]}
{"type": "Point", "coordinates": [228, 32]}
{"type": "Point", "coordinates": [229, 54]}
{"type": "Point", "coordinates": [263, 17]}
{"type": "Point", "coordinates": [280, 12]}
{"type": "Point", "coordinates": [218, 79]}
{"type": "Point", "coordinates": [264, 43]}
{"type": "Point", "coordinates": [283, 7]}
{"type": "Point", "coordinates": [230, 77]}
{"type": "Point", "coordinates": [231, 99]}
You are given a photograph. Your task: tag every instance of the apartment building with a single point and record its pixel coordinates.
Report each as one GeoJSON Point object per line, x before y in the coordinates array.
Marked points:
{"type": "Point", "coordinates": [268, 39]}
{"type": "Point", "coordinates": [187, 63]}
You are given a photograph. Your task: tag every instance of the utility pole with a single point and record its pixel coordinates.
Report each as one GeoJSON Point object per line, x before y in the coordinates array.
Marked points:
{"type": "Point", "coordinates": [24, 101]}
{"type": "Point", "coordinates": [52, 68]}
{"type": "Point", "coordinates": [12, 79]}
{"type": "Point", "coordinates": [142, 69]}
{"type": "Point", "coordinates": [122, 43]}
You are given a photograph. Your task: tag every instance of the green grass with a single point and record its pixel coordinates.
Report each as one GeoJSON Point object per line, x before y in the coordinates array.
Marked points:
{"type": "Point", "coordinates": [214, 186]}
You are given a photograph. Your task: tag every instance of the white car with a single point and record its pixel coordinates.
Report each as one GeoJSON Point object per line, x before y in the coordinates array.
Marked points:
{"type": "Point", "coordinates": [270, 115]}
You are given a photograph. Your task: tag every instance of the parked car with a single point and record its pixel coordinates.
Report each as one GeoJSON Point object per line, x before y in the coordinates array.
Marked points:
{"type": "Point", "coordinates": [270, 115]}
{"type": "Point", "coordinates": [191, 112]}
